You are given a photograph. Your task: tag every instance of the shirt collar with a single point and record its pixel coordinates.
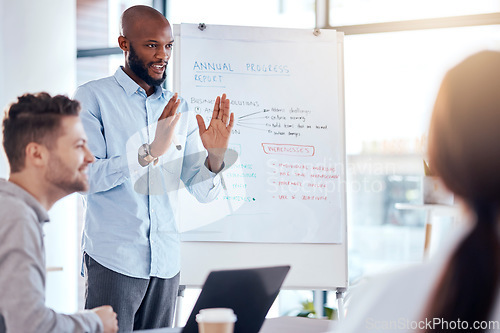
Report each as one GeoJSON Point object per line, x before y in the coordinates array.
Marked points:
{"type": "Point", "coordinates": [131, 87]}
{"type": "Point", "coordinates": [18, 192]}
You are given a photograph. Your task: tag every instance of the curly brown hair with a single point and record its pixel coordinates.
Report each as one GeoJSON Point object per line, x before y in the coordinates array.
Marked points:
{"type": "Point", "coordinates": [34, 118]}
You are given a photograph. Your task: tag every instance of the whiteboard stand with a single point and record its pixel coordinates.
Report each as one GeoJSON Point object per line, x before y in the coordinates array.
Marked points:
{"type": "Point", "coordinates": [178, 305]}
{"type": "Point", "coordinates": [340, 303]}
{"type": "Point", "coordinates": [320, 302]}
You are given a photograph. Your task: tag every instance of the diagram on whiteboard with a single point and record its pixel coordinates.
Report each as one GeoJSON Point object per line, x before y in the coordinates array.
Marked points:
{"type": "Point", "coordinates": [288, 182]}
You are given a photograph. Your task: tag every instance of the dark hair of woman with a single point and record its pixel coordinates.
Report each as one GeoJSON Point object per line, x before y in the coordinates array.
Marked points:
{"type": "Point", "coordinates": [464, 139]}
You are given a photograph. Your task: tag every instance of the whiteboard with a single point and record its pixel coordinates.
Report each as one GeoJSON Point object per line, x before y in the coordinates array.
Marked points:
{"type": "Point", "coordinates": [283, 201]}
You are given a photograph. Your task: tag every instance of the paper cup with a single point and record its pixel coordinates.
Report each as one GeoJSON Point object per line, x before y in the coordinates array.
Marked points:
{"type": "Point", "coordinates": [216, 320]}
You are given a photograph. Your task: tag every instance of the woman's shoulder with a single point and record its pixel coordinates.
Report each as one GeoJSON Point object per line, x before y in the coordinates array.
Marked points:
{"type": "Point", "coordinates": [396, 300]}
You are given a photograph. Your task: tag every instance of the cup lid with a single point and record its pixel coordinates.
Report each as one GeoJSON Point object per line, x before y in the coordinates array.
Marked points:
{"type": "Point", "coordinates": [216, 315]}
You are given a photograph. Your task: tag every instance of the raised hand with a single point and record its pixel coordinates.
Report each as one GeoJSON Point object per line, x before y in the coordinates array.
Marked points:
{"type": "Point", "coordinates": [165, 128]}
{"type": "Point", "coordinates": [215, 138]}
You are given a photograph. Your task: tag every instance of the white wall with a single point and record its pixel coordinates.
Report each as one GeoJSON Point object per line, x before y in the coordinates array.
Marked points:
{"type": "Point", "coordinates": [38, 53]}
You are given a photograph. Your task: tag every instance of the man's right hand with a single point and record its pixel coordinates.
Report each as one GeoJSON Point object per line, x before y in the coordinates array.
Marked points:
{"type": "Point", "coordinates": [108, 318]}
{"type": "Point", "coordinates": [165, 128]}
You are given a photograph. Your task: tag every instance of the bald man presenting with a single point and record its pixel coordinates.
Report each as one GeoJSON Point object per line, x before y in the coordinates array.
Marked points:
{"type": "Point", "coordinates": [130, 239]}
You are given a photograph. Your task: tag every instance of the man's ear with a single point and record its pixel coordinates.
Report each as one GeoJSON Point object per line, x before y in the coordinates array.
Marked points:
{"type": "Point", "coordinates": [123, 43]}
{"type": "Point", "coordinates": [36, 154]}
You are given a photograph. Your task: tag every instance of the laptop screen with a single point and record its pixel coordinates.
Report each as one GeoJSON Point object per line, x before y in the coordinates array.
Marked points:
{"type": "Point", "coordinates": [249, 292]}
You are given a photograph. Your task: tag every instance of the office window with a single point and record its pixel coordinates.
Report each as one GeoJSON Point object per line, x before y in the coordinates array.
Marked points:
{"type": "Point", "coordinates": [398, 75]}
{"type": "Point", "coordinates": [276, 13]}
{"type": "Point", "coordinates": [98, 21]}
{"type": "Point", "coordinates": [391, 80]}
{"type": "Point", "coordinates": [98, 27]}
{"type": "Point", "coordinates": [351, 12]}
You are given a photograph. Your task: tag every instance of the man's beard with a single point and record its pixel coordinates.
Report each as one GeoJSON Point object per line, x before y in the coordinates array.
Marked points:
{"type": "Point", "coordinates": [140, 69]}
{"type": "Point", "coordinates": [62, 177]}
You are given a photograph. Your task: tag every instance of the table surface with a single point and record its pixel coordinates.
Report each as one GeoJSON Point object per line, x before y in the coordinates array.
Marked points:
{"type": "Point", "coordinates": [276, 325]}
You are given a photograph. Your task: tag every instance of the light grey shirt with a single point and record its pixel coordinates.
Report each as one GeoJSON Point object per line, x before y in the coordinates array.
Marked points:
{"type": "Point", "coordinates": [22, 270]}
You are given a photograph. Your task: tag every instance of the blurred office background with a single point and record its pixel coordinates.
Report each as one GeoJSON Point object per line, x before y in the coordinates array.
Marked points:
{"type": "Point", "coordinates": [396, 52]}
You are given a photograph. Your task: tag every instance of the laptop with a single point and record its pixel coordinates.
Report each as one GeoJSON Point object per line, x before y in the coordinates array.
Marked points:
{"type": "Point", "coordinates": [249, 292]}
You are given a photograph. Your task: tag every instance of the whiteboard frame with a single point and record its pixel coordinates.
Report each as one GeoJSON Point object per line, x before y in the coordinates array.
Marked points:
{"type": "Point", "coordinates": [313, 266]}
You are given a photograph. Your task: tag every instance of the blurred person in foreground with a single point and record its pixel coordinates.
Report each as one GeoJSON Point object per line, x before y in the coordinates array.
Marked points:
{"type": "Point", "coordinates": [46, 147]}
{"type": "Point", "coordinates": [457, 290]}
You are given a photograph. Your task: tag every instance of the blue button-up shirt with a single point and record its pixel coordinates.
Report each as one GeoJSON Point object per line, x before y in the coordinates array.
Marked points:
{"type": "Point", "coordinates": [131, 216]}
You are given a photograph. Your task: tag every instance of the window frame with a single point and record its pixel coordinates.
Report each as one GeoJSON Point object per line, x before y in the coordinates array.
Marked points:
{"type": "Point", "coordinates": [323, 22]}
{"type": "Point", "coordinates": [159, 5]}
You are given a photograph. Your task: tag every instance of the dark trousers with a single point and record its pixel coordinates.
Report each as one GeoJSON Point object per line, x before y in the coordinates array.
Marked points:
{"type": "Point", "coordinates": [138, 303]}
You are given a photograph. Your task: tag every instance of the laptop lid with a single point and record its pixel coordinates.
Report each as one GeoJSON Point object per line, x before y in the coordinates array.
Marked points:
{"type": "Point", "coordinates": [249, 292]}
